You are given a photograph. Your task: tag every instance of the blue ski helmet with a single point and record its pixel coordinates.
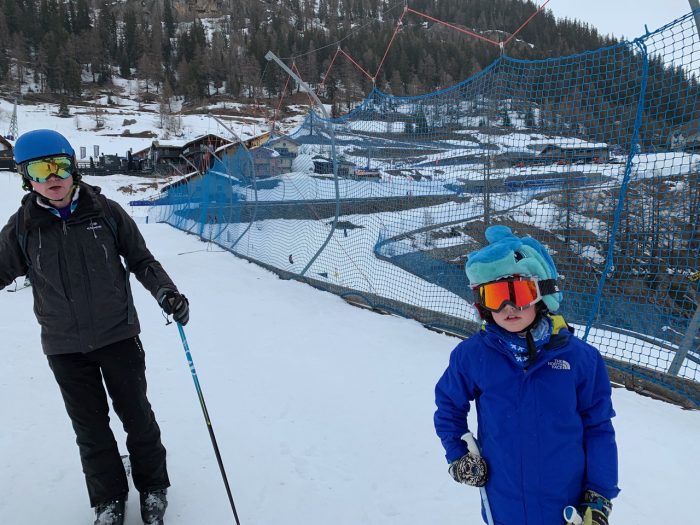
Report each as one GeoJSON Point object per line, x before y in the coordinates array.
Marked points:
{"type": "Point", "coordinates": [38, 144]}
{"type": "Point", "coordinates": [41, 143]}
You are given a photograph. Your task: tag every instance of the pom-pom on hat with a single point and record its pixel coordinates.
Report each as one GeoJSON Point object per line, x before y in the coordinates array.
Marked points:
{"type": "Point", "coordinates": [507, 255]}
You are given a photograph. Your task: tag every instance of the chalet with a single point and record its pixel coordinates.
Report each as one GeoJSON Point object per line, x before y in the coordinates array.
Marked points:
{"type": "Point", "coordinates": [227, 150]}
{"type": "Point", "coordinates": [324, 165]}
{"type": "Point", "coordinates": [563, 151]}
{"type": "Point", "coordinates": [685, 137]}
{"type": "Point", "coordinates": [198, 151]}
{"type": "Point", "coordinates": [160, 153]}
{"type": "Point", "coordinates": [142, 156]}
{"type": "Point", "coordinates": [7, 161]}
{"type": "Point", "coordinates": [178, 155]}
{"type": "Point", "coordinates": [231, 148]}
{"type": "Point", "coordinates": [106, 164]}
{"type": "Point", "coordinates": [287, 148]}
{"type": "Point", "coordinates": [257, 141]}
{"type": "Point", "coordinates": [235, 161]}
{"type": "Point", "coordinates": [574, 153]}
{"type": "Point", "coordinates": [367, 173]}
{"type": "Point", "coordinates": [266, 162]}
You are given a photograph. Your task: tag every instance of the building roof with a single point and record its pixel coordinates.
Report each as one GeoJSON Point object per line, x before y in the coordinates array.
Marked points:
{"type": "Point", "coordinates": [280, 139]}
{"type": "Point", "coordinates": [143, 151]}
{"type": "Point", "coordinates": [321, 158]}
{"type": "Point", "coordinates": [264, 151]}
{"type": "Point", "coordinates": [9, 144]}
{"type": "Point", "coordinates": [209, 137]}
{"type": "Point", "coordinates": [258, 140]}
{"type": "Point", "coordinates": [569, 143]}
{"type": "Point", "coordinates": [227, 146]}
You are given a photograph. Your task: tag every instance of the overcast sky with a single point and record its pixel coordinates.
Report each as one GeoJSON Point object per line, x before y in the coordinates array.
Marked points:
{"type": "Point", "coordinates": [620, 17]}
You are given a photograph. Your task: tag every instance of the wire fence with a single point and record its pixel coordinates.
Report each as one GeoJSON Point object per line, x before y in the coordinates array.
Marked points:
{"type": "Point", "coordinates": [596, 155]}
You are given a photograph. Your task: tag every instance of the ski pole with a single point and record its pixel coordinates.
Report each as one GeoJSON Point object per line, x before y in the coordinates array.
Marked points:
{"type": "Point", "coordinates": [572, 516]}
{"type": "Point", "coordinates": [208, 421]}
{"type": "Point", "coordinates": [474, 449]}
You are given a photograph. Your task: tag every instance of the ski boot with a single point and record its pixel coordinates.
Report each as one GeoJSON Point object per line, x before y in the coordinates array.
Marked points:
{"type": "Point", "coordinates": [153, 505]}
{"type": "Point", "coordinates": [110, 513]}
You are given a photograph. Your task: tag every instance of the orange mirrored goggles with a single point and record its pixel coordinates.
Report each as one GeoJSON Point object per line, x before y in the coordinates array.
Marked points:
{"type": "Point", "coordinates": [519, 292]}
{"type": "Point", "coordinates": [41, 169]}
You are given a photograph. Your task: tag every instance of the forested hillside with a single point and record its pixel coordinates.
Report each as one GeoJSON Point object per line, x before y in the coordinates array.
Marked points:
{"type": "Point", "coordinates": [204, 47]}
{"type": "Point", "coordinates": [68, 50]}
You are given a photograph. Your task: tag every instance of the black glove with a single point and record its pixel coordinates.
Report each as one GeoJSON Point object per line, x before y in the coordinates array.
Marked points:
{"type": "Point", "coordinates": [177, 305]}
{"type": "Point", "coordinates": [470, 470]}
{"type": "Point", "coordinates": [594, 509]}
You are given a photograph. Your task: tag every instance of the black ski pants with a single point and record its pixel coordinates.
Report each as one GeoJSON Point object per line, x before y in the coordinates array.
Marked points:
{"type": "Point", "coordinates": [80, 377]}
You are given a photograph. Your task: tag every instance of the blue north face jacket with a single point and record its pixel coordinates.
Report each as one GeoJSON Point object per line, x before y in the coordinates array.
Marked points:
{"type": "Point", "coordinates": [545, 432]}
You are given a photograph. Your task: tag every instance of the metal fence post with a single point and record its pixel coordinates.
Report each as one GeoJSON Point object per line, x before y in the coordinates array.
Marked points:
{"type": "Point", "coordinates": [270, 56]}
{"type": "Point", "coordinates": [687, 341]}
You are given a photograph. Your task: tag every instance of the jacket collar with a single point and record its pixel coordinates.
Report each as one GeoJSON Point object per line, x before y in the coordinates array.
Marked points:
{"type": "Point", "coordinates": [37, 215]}
{"type": "Point", "coordinates": [43, 203]}
{"type": "Point", "coordinates": [561, 333]}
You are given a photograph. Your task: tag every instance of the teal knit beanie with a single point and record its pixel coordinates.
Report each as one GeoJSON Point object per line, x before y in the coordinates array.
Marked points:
{"type": "Point", "coordinates": [507, 255]}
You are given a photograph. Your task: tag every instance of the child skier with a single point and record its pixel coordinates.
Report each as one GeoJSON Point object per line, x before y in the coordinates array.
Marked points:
{"type": "Point", "coordinates": [542, 396]}
{"type": "Point", "coordinates": [70, 239]}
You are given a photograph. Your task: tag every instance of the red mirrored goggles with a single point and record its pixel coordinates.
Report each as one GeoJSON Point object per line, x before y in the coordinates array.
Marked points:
{"type": "Point", "coordinates": [519, 292]}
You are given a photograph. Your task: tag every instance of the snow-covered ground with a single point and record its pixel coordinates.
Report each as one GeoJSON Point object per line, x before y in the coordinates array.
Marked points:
{"type": "Point", "coordinates": [322, 411]}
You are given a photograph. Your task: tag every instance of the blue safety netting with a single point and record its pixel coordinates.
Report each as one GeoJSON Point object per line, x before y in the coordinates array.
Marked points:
{"type": "Point", "coordinates": [596, 155]}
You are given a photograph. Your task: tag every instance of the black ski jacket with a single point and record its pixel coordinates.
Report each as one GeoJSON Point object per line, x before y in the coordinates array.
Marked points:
{"type": "Point", "coordinates": [82, 297]}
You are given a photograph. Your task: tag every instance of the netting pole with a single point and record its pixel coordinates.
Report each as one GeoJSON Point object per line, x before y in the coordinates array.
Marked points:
{"type": "Point", "coordinates": [695, 6]}
{"type": "Point", "coordinates": [491, 115]}
{"type": "Point", "coordinates": [687, 341]}
{"type": "Point", "coordinates": [270, 56]}
{"type": "Point", "coordinates": [203, 210]}
{"type": "Point", "coordinates": [254, 178]}
{"type": "Point", "coordinates": [644, 73]}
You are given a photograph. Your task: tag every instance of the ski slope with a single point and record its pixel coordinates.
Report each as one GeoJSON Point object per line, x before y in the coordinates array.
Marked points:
{"type": "Point", "coordinates": [322, 411]}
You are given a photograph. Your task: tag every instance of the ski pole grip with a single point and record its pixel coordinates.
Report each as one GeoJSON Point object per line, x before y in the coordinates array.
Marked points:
{"type": "Point", "coordinates": [572, 516]}
{"type": "Point", "coordinates": [471, 443]}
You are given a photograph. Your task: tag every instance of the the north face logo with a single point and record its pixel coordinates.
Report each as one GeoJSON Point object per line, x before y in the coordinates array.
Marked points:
{"type": "Point", "coordinates": [94, 226]}
{"type": "Point", "coordinates": [559, 364]}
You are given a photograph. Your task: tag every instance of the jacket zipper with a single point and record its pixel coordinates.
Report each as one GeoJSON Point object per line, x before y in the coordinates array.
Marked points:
{"type": "Point", "coordinates": [64, 263]}
{"type": "Point", "coordinates": [88, 289]}
{"type": "Point", "coordinates": [526, 374]}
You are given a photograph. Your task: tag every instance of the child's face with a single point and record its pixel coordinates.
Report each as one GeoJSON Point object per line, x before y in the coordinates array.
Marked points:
{"type": "Point", "coordinates": [514, 320]}
{"type": "Point", "coordinates": [55, 189]}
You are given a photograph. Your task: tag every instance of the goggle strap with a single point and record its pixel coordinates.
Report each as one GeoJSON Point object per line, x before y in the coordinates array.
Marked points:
{"type": "Point", "coordinates": [475, 295]}
{"type": "Point", "coordinates": [547, 286]}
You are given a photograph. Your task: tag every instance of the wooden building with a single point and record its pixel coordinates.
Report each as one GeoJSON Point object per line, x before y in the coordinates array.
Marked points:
{"type": "Point", "coordinates": [288, 149]}
{"type": "Point", "coordinates": [7, 161]}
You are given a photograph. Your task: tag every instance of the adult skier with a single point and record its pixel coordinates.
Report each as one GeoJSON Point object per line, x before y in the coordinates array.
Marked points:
{"type": "Point", "coordinates": [70, 240]}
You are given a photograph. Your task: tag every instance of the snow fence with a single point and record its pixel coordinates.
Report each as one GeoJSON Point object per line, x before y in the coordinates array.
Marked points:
{"type": "Point", "coordinates": [596, 155]}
